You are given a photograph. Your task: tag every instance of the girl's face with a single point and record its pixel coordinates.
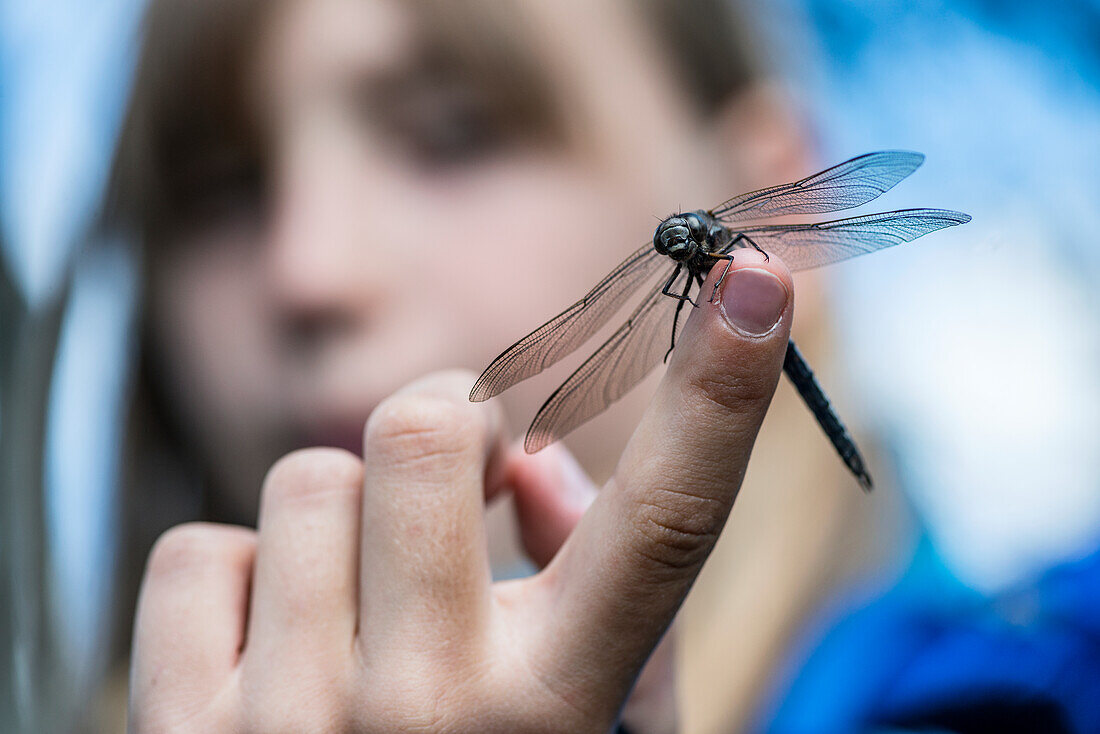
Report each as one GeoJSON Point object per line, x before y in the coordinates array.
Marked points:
{"type": "Point", "coordinates": [403, 224]}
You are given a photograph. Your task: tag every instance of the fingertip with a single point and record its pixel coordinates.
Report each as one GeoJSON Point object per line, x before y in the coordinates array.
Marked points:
{"type": "Point", "coordinates": [753, 299]}
{"type": "Point", "coordinates": [731, 349]}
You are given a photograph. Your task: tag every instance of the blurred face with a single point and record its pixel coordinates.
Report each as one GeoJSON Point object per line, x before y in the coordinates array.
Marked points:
{"type": "Point", "coordinates": [403, 223]}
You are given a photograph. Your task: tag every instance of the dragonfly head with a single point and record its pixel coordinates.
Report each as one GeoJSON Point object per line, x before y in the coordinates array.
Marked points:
{"type": "Point", "coordinates": [680, 236]}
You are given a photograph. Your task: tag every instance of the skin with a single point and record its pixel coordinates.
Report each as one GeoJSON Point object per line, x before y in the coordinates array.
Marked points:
{"type": "Point", "coordinates": [363, 600]}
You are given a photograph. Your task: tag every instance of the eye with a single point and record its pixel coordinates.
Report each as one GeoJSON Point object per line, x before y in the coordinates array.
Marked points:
{"type": "Point", "coordinates": [441, 123]}
{"type": "Point", "coordinates": [216, 189]}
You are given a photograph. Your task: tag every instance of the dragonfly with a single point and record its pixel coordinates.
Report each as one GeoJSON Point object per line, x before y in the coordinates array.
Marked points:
{"type": "Point", "coordinates": [685, 247]}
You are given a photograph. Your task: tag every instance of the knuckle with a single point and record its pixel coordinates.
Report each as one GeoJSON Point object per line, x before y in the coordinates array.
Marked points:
{"type": "Point", "coordinates": [309, 472]}
{"type": "Point", "coordinates": [412, 719]}
{"type": "Point", "coordinates": [195, 544]}
{"type": "Point", "coordinates": [415, 428]}
{"type": "Point", "coordinates": [678, 528]}
{"type": "Point", "coordinates": [321, 713]}
{"type": "Point", "coordinates": [415, 708]}
{"type": "Point", "coordinates": [575, 703]}
{"type": "Point", "coordinates": [741, 392]}
{"type": "Point", "coordinates": [141, 720]}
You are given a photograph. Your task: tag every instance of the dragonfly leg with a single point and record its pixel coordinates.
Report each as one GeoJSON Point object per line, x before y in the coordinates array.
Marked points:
{"type": "Point", "coordinates": [671, 280]}
{"type": "Point", "coordinates": [684, 296]}
{"type": "Point", "coordinates": [754, 246]}
{"type": "Point", "coordinates": [722, 277]}
{"type": "Point", "coordinates": [729, 260]}
{"type": "Point", "coordinates": [679, 307]}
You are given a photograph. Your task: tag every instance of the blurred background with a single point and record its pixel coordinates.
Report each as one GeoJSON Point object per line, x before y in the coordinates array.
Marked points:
{"type": "Point", "coordinates": [178, 212]}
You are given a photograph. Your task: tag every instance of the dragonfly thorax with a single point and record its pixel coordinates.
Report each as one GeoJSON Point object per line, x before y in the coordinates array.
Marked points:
{"type": "Point", "coordinates": [681, 236]}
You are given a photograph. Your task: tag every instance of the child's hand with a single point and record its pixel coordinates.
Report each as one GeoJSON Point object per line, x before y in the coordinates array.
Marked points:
{"type": "Point", "coordinates": [363, 602]}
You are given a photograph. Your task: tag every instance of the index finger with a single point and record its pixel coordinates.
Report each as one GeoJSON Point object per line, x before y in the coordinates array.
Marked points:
{"type": "Point", "coordinates": [624, 572]}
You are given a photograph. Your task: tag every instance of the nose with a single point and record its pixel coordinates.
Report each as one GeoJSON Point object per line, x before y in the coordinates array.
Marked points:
{"type": "Point", "coordinates": [316, 251]}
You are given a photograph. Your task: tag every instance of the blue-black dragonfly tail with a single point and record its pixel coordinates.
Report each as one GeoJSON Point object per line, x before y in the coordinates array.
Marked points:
{"type": "Point", "coordinates": [802, 377]}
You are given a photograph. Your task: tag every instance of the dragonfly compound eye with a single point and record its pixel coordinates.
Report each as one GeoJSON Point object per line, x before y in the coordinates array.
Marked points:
{"type": "Point", "coordinates": [696, 226]}
{"type": "Point", "coordinates": [674, 238]}
{"type": "Point", "coordinates": [660, 237]}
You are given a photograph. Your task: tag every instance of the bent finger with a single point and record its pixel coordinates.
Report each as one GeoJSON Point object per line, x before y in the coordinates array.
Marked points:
{"type": "Point", "coordinates": [307, 559]}
{"type": "Point", "coordinates": [191, 618]}
{"type": "Point", "coordinates": [551, 493]}
{"type": "Point", "coordinates": [424, 572]}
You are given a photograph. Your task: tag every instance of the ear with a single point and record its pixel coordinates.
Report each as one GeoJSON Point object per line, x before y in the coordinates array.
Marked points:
{"type": "Point", "coordinates": [764, 137]}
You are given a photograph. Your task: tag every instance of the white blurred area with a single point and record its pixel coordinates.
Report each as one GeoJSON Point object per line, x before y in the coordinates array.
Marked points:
{"type": "Point", "coordinates": [981, 374]}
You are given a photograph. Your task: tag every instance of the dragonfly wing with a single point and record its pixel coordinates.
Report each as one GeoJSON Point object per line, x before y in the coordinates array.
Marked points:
{"type": "Point", "coordinates": [844, 186]}
{"type": "Point", "coordinates": [804, 246]}
{"type": "Point", "coordinates": [617, 366]}
{"type": "Point", "coordinates": [568, 330]}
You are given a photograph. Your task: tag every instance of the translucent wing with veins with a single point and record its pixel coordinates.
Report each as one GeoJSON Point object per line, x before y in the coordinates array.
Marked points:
{"type": "Point", "coordinates": [565, 332]}
{"type": "Point", "coordinates": [638, 346]}
{"type": "Point", "coordinates": [640, 343]}
{"type": "Point", "coordinates": [844, 186]}
{"type": "Point", "coordinates": [618, 365]}
{"type": "Point", "coordinates": [804, 246]}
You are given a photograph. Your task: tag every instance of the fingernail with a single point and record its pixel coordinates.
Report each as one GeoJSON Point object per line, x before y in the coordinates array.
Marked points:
{"type": "Point", "coordinates": [753, 300]}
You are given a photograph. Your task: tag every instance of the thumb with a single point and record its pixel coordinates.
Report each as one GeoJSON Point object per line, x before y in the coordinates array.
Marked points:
{"type": "Point", "coordinates": [551, 493]}
{"type": "Point", "coordinates": [623, 574]}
